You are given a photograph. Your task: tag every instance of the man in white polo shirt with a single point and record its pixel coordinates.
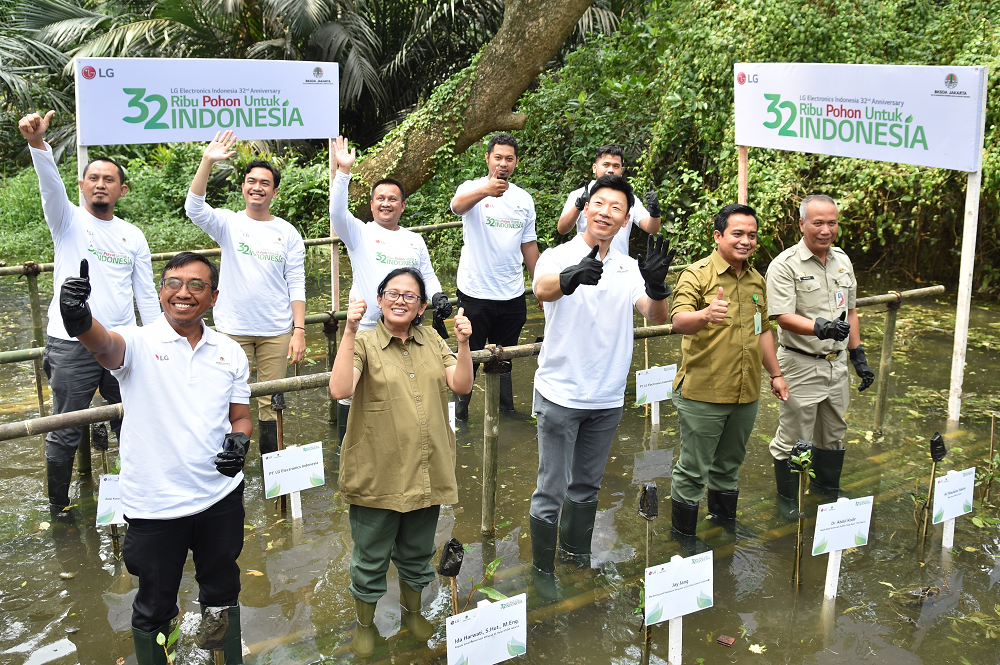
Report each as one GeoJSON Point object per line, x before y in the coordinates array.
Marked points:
{"type": "Point", "coordinates": [498, 229]}
{"type": "Point", "coordinates": [610, 159]}
{"type": "Point", "coordinates": [183, 445]}
{"type": "Point", "coordinates": [377, 248]}
{"type": "Point", "coordinates": [122, 268]}
{"type": "Point", "coordinates": [263, 281]}
{"type": "Point", "coordinates": [589, 289]}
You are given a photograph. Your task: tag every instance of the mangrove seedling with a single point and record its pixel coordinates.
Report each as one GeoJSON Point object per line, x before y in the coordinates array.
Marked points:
{"type": "Point", "coordinates": [487, 591]}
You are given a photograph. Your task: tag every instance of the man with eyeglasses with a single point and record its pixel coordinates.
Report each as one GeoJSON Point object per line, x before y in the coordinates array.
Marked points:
{"type": "Point", "coordinates": [183, 446]}
{"type": "Point", "coordinates": [263, 285]}
{"type": "Point", "coordinates": [378, 247]}
{"type": "Point", "coordinates": [122, 269]}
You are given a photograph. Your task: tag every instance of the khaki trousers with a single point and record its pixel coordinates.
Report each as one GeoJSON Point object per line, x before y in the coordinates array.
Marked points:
{"type": "Point", "coordinates": [271, 356]}
{"type": "Point", "coordinates": [819, 392]}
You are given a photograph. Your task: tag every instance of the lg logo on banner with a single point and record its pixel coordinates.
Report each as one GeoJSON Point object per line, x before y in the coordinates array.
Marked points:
{"type": "Point", "coordinates": [89, 72]}
{"type": "Point", "coordinates": [742, 78]}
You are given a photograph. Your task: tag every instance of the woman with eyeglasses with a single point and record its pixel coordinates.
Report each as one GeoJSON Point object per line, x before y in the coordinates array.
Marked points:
{"type": "Point", "coordinates": [397, 462]}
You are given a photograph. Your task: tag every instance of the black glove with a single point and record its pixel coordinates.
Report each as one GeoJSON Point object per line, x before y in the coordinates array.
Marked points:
{"type": "Point", "coordinates": [652, 203]}
{"type": "Point", "coordinates": [655, 265]}
{"type": "Point", "coordinates": [837, 330]}
{"type": "Point", "coordinates": [234, 454]}
{"type": "Point", "coordinates": [584, 197]}
{"type": "Point", "coordinates": [442, 310]}
{"type": "Point", "coordinates": [73, 302]}
{"type": "Point", "coordinates": [861, 367]}
{"type": "Point", "coordinates": [588, 271]}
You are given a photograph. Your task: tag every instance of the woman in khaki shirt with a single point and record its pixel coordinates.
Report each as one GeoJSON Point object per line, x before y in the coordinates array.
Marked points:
{"type": "Point", "coordinates": [397, 462]}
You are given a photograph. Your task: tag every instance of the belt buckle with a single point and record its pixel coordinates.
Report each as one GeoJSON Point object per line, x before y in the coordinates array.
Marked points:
{"type": "Point", "coordinates": [831, 356]}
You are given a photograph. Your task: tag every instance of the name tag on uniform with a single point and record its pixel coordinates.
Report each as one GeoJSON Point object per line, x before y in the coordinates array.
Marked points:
{"type": "Point", "coordinates": [840, 299]}
{"type": "Point", "coordinates": [804, 278]}
{"type": "Point", "coordinates": [756, 323]}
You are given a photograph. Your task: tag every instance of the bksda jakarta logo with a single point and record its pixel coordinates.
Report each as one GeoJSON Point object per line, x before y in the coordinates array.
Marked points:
{"type": "Point", "coordinates": [318, 72]}
{"type": "Point", "coordinates": [950, 81]}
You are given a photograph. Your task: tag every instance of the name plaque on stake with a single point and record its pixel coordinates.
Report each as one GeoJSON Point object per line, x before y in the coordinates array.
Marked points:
{"type": "Point", "coordinates": [654, 384]}
{"type": "Point", "coordinates": [488, 634]}
{"type": "Point", "coordinates": [842, 525]}
{"type": "Point", "coordinates": [676, 588]}
{"type": "Point", "coordinates": [953, 495]}
{"type": "Point", "coordinates": [293, 469]}
{"type": "Point", "coordinates": [109, 502]}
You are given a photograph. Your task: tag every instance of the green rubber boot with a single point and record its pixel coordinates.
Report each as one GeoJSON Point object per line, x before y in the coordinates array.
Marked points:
{"type": "Point", "coordinates": [543, 557]}
{"type": "Point", "coordinates": [363, 644]}
{"type": "Point", "coordinates": [409, 600]}
{"type": "Point", "coordinates": [576, 530]}
{"type": "Point", "coordinates": [147, 651]}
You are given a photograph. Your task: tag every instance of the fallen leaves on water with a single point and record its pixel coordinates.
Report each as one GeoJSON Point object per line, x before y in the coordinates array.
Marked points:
{"type": "Point", "coordinates": [120, 661]}
{"type": "Point", "coordinates": [67, 576]}
{"type": "Point", "coordinates": [255, 573]}
{"type": "Point", "coordinates": [970, 549]}
{"type": "Point", "coordinates": [42, 526]}
{"type": "Point", "coordinates": [757, 649]}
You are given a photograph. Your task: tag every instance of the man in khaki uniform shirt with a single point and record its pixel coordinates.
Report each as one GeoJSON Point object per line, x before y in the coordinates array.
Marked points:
{"type": "Point", "coordinates": [812, 291]}
{"type": "Point", "coordinates": [720, 306]}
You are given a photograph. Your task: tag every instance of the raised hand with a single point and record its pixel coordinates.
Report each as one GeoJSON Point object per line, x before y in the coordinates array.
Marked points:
{"type": "Point", "coordinates": [496, 185]}
{"type": "Point", "coordinates": [220, 148]}
{"type": "Point", "coordinates": [345, 158]}
{"type": "Point", "coordinates": [837, 330]}
{"type": "Point", "coordinates": [588, 271]}
{"type": "Point", "coordinates": [652, 203]}
{"type": "Point", "coordinates": [33, 127]}
{"type": "Point", "coordinates": [355, 312]}
{"type": "Point", "coordinates": [581, 200]}
{"type": "Point", "coordinates": [463, 327]}
{"type": "Point", "coordinates": [717, 309]}
{"type": "Point", "coordinates": [73, 307]}
{"type": "Point", "coordinates": [655, 265]}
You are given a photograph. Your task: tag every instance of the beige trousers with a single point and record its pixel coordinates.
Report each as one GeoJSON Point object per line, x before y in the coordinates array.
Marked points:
{"type": "Point", "coordinates": [271, 356]}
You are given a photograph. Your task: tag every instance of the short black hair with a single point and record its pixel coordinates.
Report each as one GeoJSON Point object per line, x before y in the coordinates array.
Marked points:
{"type": "Point", "coordinates": [722, 219]}
{"type": "Point", "coordinates": [616, 182]}
{"type": "Point", "coordinates": [184, 258]}
{"type": "Point", "coordinates": [263, 164]}
{"type": "Point", "coordinates": [389, 181]}
{"type": "Point", "coordinates": [503, 138]}
{"type": "Point", "coordinates": [612, 149]}
{"type": "Point", "coordinates": [121, 171]}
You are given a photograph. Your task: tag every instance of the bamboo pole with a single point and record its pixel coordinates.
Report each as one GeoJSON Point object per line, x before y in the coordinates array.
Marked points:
{"type": "Point", "coordinates": [927, 504]}
{"type": "Point", "coordinates": [743, 175]}
{"type": "Point", "coordinates": [491, 433]}
{"type": "Point", "coordinates": [800, 527]}
{"type": "Point", "coordinates": [39, 392]}
{"type": "Point", "coordinates": [993, 438]}
{"type": "Point", "coordinates": [885, 363]}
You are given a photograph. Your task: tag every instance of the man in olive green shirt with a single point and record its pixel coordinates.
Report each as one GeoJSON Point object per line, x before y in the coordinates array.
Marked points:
{"type": "Point", "coordinates": [720, 306]}
{"type": "Point", "coordinates": [812, 291]}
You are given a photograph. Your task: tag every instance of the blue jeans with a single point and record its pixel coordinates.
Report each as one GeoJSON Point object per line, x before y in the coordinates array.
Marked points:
{"type": "Point", "coordinates": [573, 447]}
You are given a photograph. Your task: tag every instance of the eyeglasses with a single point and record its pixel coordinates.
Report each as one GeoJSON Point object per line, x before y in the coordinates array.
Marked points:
{"type": "Point", "coordinates": [393, 296]}
{"type": "Point", "coordinates": [173, 284]}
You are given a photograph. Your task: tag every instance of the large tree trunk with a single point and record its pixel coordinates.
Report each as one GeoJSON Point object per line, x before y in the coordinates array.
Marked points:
{"type": "Point", "coordinates": [474, 102]}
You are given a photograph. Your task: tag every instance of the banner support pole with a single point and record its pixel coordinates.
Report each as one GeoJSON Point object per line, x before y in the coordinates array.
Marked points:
{"type": "Point", "coordinates": [967, 267]}
{"type": "Point", "coordinates": [743, 176]}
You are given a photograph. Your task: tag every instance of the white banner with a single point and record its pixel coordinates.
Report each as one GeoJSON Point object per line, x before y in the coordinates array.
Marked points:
{"type": "Point", "coordinates": [679, 587]}
{"type": "Point", "coordinates": [953, 494]}
{"type": "Point", "coordinates": [489, 634]}
{"type": "Point", "coordinates": [155, 100]}
{"type": "Point", "coordinates": [109, 502]}
{"type": "Point", "coordinates": [929, 116]}
{"type": "Point", "coordinates": [293, 469]}
{"type": "Point", "coordinates": [654, 384]}
{"type": "Point", "coordinates": [842, 525]}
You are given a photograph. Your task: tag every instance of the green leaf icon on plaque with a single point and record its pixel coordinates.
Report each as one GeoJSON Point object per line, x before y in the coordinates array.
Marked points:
{"type": "Point", "coordinates": [939, 516]}
{"type": "Point", "coordinates": [967, 507]}
{"type": "Point", "coordinates": [106, 517]}
{"type": "Point", "coordinates": [315, 481]}
{"type": "Point", "coordinates": [642, 399]}
{"type": "Point", "coordinates": [703, 601]}
{"type": "Point", "coordinates": [515, 648]}
{"type": "Point", "coordinates": [860, 539]}
{"type": "Point", "coordinates": [820, 547]}
{"type": "Point", "coordinates": [654, 616]}
{"type": "Point", "coordinates": [273, 492]}
{"type": "Point", "coordinates": [464, 660]}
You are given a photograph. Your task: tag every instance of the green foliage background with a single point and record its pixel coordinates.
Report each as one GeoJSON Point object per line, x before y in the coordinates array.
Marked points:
{"type": "Point", "coordinates": [663, 86]}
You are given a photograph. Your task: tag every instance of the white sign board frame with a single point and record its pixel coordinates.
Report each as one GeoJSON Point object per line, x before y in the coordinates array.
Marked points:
{"type": "Point", "coordinates": [843, 524]}
{"type": "Point", "coordinates": [679, 587]}
{"type": "Point", "coordinates": [489, 634]}
{"type": "Point", "coordinates": [109, 502]}
{"type": "Point", "coordinates": [655, 384]}
{"type": "Point", "coordinates": [953, 495]}
{"type": "Point", "coordinates": [293, 469]}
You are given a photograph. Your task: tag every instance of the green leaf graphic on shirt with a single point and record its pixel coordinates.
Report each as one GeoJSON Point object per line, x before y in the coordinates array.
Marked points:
{"type": "Point", "coordinates": [704, 600]}
{"type": "Point", "coordinates": [315, 480]}
{"type": "Point", "coordinates": [860, 539]}
{"type": "Point", "coordinates": [273, 492]}
{"type": "Point", "coordinates": [655, 615]}
{"type": "Point", "coordinates": [515, 648]}
{"type": "Point", "coordinates": [820, 547]}
{"type": "Point", "coordinates": [106, 517]}
{"type": "Point", "coordinates": [939, 516]}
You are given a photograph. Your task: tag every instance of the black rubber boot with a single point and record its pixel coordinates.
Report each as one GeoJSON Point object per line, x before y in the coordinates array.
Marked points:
{"type": "Point", "coordinates": [684, 517]}
{"type": "Point", "coordinates": [543, 557]}
{"type": "Point", "coordinates": [267, 432]}
{"type": "Point", "coordinates": [234, 637]}
{"type": "Point", "coordinates": [343, 410]}
{"type": "Point", "coordinates": [147, 651]}
{"type": "Point", "coordinates": [506, 393]}
{"type": "Point", "coordinates": [827, 465]}
{"type": "Point", "coordinates": [59, 475]}
{"type": "Point", "coordinates": [576, 529]}
{"type": "Point", "coordinates": [788, 489]}
{"type": "Point", "coordinates": [462, 406]}
{"type": "Point", "coordinates": [722, 504]}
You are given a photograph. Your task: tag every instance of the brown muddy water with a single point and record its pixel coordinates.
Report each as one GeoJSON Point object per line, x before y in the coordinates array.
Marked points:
{"type": "Point", "coordinates": [65, 599]}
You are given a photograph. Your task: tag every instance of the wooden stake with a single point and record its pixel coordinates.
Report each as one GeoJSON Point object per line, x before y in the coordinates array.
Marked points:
{"type": "Point", "coordinates": [927, 505]}
{"type": "Point", "coordinates": [37, 362]}
{"type": "Point", "coordinates": [885, 364]}
{"type": "Point", "coordinates": [800, 528]}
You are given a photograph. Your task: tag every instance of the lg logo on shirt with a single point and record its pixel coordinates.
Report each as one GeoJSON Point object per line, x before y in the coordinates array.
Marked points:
{"type": "Point", "coordinates": [163, 357]}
